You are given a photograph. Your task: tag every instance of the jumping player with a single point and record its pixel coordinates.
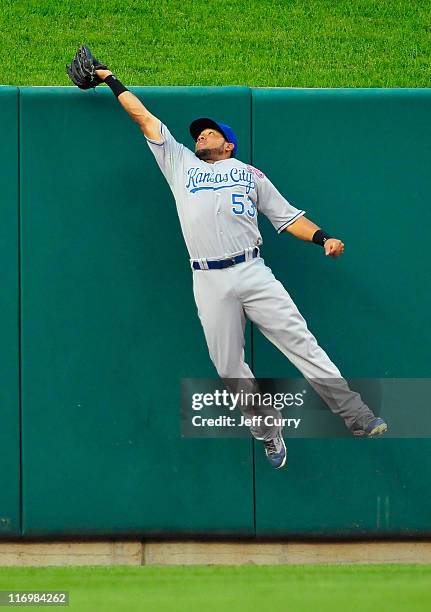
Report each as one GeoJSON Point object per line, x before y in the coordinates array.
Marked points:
{"type": "Point", "coordinates": [218, 199]}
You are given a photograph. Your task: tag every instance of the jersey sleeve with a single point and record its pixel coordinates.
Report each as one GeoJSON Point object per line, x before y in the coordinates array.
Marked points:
{"type": "Point", "coordinates": [273, 205]}
{"type": "Point", "coordinates": [168, 153]}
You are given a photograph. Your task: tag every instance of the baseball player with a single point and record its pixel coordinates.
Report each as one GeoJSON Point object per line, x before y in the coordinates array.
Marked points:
{"type": "Point", "coordinates": [218, 199]}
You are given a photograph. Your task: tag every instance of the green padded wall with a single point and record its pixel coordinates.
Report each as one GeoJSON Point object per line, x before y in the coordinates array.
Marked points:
{"type": "Point", "coordinates": [358, 162]}
{"type": "Point", "coordinates": [109, 326]}
{"type": "Point", "coordinates": [9, 320]}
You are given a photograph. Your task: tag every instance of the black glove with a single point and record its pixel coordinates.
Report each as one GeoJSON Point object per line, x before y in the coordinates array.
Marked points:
{"type": "Point", "coordinates": [82, 70]}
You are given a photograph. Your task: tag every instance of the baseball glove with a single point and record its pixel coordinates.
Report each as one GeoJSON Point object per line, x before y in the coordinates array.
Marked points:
{"type": "Point", "coordinates": [82, 70]}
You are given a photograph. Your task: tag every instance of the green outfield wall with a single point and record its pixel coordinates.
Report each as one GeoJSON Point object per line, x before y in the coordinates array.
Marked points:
{"type": "Point", "coordinates": [99, 323]}
{"type": "Point", "coordinates": [10, 503]}
{"type": "Point", "coordinates": [109, 327]}
{"type": "Point", "coordinates": [358, 162]}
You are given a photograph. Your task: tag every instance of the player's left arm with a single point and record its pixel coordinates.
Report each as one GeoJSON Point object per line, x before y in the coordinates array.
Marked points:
{"type": "Point", "coordinates": [304, 229]}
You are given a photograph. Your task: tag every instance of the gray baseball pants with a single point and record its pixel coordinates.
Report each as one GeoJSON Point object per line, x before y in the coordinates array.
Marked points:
{"type": "Point", "coordinates": [225, 298]}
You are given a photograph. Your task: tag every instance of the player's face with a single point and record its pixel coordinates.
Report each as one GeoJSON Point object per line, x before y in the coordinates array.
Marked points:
{"type": "Point", "coordinates": [210, 146]}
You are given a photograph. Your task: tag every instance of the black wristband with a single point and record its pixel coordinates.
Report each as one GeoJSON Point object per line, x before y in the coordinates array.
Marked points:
{"type": "Point", "coordinates": [320, 237]}
{"type": "Point", "coordinates": [116, 85]}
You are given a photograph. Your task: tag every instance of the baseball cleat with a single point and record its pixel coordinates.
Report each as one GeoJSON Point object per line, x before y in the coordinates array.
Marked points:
{"type": "Point", "coordinates": [275, 450]}
{"type": "Point", "coordinates": [377, 427]}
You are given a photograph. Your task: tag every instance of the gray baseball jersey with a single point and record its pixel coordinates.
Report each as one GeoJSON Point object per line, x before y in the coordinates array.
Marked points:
{"type": "Point", "coordinates": [218, 203]}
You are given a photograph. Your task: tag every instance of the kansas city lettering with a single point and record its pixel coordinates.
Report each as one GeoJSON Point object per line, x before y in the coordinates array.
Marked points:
{"type": "Point", "coordinates": [198, 180]}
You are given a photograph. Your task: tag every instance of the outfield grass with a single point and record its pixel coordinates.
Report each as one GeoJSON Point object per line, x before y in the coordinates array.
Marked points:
{"type": "Point", "coordinates": [311, 43]}
{"type": "Point", "coordinates": [326, 588]}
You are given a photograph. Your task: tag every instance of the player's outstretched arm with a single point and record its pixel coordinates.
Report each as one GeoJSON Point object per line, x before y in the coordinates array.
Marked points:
{"type": "Point", "coordinates": [149, 124]}
{"type": "Point", "coordinates": [304, 229]}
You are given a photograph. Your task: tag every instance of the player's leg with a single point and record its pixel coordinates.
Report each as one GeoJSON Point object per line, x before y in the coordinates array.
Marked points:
{"type": "Point", "coordinates": [270, 307]}
{"type": "Point", "coordinates": [223, 321]}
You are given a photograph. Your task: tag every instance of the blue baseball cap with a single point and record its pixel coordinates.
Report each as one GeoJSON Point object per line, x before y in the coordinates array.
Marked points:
{"type": "Point", "coordinates": [198, 125]}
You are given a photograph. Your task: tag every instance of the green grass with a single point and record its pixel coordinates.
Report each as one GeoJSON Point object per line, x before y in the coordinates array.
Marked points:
{"type": "Point", "coordinates": [300, 43]}
{"type": "Point", "coordinates": [325, 588]}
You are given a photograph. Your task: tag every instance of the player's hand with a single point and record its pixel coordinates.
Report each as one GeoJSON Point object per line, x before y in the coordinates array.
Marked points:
{"type": "Point", "coordinates": [333, 247]}
{"type": "Point", "coordinates": [102, 74]}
